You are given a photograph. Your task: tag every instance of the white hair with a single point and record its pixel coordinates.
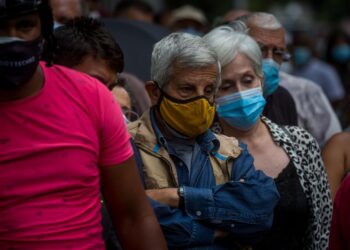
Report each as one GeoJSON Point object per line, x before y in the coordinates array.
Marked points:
{"type": "Point", "coordinates": [262, 20]}
{"type": "Point", "coordinates": [181, 50]}
{"type": "Point", "coordinates": [228, 42]}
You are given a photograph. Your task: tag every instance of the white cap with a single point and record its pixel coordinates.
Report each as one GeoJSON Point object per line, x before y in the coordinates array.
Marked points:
{"type": "Point", "coordinates": [188, 12]}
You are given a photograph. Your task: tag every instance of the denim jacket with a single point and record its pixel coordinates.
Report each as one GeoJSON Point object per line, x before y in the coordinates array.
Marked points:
{"type": "Point", "coordinates": [242, 206]}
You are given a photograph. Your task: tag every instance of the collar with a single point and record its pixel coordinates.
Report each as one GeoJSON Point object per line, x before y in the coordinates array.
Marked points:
{"type": "Point", "coordinates": [281, 139]}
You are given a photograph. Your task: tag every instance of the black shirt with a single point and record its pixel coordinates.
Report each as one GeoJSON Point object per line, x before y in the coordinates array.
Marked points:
{"type": "Point", "coordinates": [280, 108]}
{"type": "Point", "coordinates": [290, 216]}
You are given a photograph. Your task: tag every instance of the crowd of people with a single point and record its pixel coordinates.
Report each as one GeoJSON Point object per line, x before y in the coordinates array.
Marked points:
{"type": "Point", "coordinates": [220, 149]}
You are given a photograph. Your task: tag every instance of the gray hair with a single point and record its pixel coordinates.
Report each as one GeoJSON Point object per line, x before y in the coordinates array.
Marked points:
{"type": "Point", "coordinates": [228, 42]}
{"type": "Point", "coordinates": [180, 50]}
{"type": "Point", "coordinates": [261, 20]}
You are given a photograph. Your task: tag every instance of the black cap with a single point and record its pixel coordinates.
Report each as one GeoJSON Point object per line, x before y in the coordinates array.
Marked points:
{"type": "Point", "coordinates": [13, 8]}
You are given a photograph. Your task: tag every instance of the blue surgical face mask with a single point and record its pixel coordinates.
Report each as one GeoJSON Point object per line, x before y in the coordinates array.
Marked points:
{"type": "Point", "coordinates": [341, 53]}
{"type": "Point", "coordinates": [301, 55]}
{"type": "Point", "coordinates": [192, 31]}
{"type": "Point", "coordinates": [241, 109]}
{"type": "Point", "coordinates": [271, 74]}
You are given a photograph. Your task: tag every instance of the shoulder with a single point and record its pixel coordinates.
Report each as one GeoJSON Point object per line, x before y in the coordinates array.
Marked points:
{"type": "Point", "coordinates": [339, 140]}
{"type": "Point", "coordinates": [300, 135]}
{"type": "Point", "coordinates": [290, 134]}
{"type": "Point", "coordinates": [70, 78]}
{"type": "Point", "coordinates": [282, 91]}
{"type": "Point", "coordinates": [281, 96]}
{"type": "Point", "coordinates": [80, 91]}
{"type": "Point", "coordinates": [287, 79]}
{"type": "Point", "coordinates": [133, 127]}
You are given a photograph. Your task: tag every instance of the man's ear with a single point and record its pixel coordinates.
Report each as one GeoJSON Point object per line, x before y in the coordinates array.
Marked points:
{"type": "Point", "coordinates": [153, 92]}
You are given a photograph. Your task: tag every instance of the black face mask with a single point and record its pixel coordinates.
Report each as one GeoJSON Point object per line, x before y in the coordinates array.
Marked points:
{"type": "Point", "coordinates": [18, 62]}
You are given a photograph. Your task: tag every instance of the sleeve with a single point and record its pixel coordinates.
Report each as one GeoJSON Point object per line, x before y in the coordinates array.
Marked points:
{"type": "Point", "coordinates": [243, 206]}
{"type": "Point", "coordinates": [319, 117]}
{"type": "Point", "coordinates": [114, 138]}
{"type": "Point", "coordinates": [180, 229]}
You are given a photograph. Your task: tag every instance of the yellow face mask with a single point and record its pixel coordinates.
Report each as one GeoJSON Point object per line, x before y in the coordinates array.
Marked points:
{"type": "Point", "coordinates": [190, 117]}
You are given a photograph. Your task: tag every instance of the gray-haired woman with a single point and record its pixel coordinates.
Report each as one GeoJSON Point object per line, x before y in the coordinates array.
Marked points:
{"type": "Point", "coordinates": [288, 154]}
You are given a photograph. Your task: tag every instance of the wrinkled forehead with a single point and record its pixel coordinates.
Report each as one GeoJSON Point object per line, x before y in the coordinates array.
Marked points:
{"type": "Point", "coordinates": [268, 37]}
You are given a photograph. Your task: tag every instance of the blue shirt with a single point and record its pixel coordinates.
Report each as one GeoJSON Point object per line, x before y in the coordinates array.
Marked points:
{"type": "Point", "coordinates": [242, 207]}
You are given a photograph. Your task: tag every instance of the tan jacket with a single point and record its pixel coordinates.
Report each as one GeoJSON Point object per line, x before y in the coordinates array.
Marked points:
{"type": "Point", "coordinates": [159, 169]}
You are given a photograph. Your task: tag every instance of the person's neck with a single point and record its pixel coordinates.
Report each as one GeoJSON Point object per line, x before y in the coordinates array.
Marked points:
{"type": "Point", "coordinates": [31, 88]}
{"type": "Point", "coordinates": [250, 136]}
{"type": "Point", "coordinates": [168, 132]}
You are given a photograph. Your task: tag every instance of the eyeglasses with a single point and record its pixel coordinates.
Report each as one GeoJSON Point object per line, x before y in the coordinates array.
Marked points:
{"type": "Point", "coordinates": [130, 114]}
{"type": "Point", "coordinates": [279, 55]}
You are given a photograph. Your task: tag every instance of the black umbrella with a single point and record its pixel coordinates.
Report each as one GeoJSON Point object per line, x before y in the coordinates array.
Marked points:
{"type": "Point", "coordinates": [136, 39]}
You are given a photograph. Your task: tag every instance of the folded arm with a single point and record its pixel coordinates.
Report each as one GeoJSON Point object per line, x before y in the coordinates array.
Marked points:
{"type": "Point", "coordinates": [242, 207]}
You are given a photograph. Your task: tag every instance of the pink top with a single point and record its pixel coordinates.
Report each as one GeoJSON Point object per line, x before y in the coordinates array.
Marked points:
{"type": "Point", "coordinates": [340, 229]}
{"type": "Point", "coordinates": [51, 145]}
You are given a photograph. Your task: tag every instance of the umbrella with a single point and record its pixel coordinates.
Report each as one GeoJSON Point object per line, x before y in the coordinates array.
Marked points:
{"type": "Point", "coordinates": [136, 39]}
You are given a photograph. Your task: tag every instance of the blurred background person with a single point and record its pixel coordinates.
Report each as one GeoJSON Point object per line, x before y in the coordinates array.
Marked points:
{"type": "Point", "coordinates": [303, 213]}
{"type": "Point", "coordinates": [65, 10]}
{"type": "Point", "coordinates": [95, 9]}
{"type": "Point", "coordinates": [123, 98]}
{"type": "Point", "coordinates": [188, 19]}
{"type": "Point", "coordinates": [134, 28]}
{"type": "Point", "coordinates": [86, 45]}
{"type": "Point", "coordinates": [338, 55]}
{"type": "Point", "coordinates": [134, 10]}
{"type": "Point", "coordinates": [233, 14]}
{"type": "Point", "coordinates": [307, 65]}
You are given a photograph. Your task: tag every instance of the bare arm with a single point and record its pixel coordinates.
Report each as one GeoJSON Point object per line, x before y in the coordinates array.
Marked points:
{"type": "Point", "coordinates": [131, 213]}
{"type": "Point", "coordinates": [333, 155]}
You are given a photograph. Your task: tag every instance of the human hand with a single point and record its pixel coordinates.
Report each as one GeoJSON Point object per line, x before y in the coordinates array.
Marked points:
{"type": "Point", "coordinates": [220, 234]}
{"type": "Point", "coordinates": [166, 196]}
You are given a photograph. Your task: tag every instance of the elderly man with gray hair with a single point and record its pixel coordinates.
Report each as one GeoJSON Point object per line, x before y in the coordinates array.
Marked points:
{"type": "Point", "coordinates": [314, 111]}
{"type": "Point", "coordinates": [203, 187]}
